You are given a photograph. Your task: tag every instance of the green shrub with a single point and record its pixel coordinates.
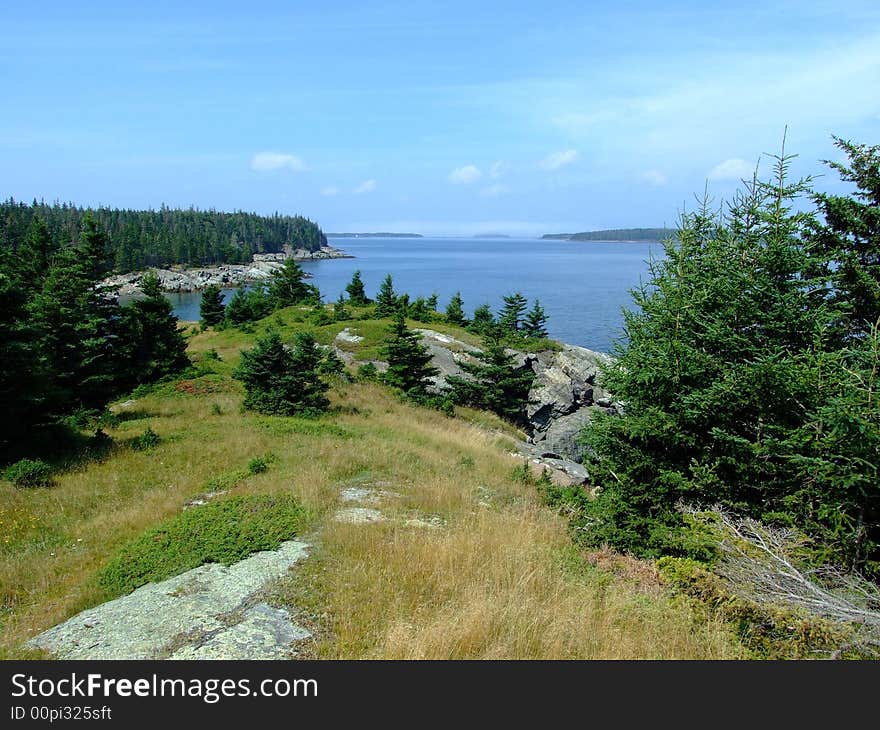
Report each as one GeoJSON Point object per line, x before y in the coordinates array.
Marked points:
{"type": "Point", "coordinates": [216, 410]}
{"type": "Point", "coordinates": [223, 531]}
{"type": "Point", "coordinates": [29, 473]}
{"type": "Point", "coordinates": [147, 440]}
{"type": "Point", "coordinates": [368, 372]}
{"type": "Point", "coordinates": [260, 464]}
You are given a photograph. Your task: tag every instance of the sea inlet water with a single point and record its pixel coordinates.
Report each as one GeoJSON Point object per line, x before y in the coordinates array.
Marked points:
{"type": "Point", "coordinates": [583, 286]}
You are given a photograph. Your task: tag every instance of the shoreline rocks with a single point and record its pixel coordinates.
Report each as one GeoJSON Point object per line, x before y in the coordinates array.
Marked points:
{"type": "Point", "coordinates": [183, 279]}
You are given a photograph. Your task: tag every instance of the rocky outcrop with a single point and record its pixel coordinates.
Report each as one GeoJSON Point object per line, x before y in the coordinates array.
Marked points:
{"type": "Point", "coordinates": [181, 279]}
{"type": "Point", "coordinates": [210, 612]}
{"type": "Point", "coordinates": [564, 397]}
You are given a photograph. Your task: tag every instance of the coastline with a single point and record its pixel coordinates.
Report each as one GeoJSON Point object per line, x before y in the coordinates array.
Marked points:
{"type": "Point", "coordinates": [181, 279]}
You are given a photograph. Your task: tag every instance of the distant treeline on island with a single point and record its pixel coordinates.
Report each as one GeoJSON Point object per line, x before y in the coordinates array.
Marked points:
{"type": "Point", "coordinates": [374, 235]}
{"type": "Point", "coordinates": [138, 239]}
{"type": "Point", "coordinates": [614, 234]}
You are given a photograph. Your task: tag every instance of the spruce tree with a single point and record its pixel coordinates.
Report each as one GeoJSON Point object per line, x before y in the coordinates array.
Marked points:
{"type": "Point", "coordinates": [511, 315]}
{"type": "Point", "coordinates": [287, 286]}
{"type": "Point", "coordinates": [535, 324]}
{"type": "Point", "coordinates": [340, 313]}
{"type": "Point", "coordinates": [157, 346]}
{"type": "Point", "coordinates": [283, 381]}
{"type": "Point", "coordinates": [849, 240]}
{"type": "Point", "coordinates": [386, 299]}
{"type": "Point", "coordinates": [357, 295]}
{"type": "Point", "coordinates": [496, 383]}
{"type": "Point", "coordinates": [483, 320]}
{"type": "Point", "coordinates": [455, 310]}
{"type": "Point", "coordinates": [409, 367]}
{"type": "Point", "coordinates": [723, 361]}
{"type": "Point", "coordinates": [431, 302]}
{"type": "Point", "coordinates": [212, 310]}
{"type": "Point", "coordinates": [35, 254]}
{"type": "Point", "coordinates": [248, 305]}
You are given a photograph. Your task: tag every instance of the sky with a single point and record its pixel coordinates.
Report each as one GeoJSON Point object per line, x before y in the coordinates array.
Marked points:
{"type": "Point", "coordinates": [452, 118]}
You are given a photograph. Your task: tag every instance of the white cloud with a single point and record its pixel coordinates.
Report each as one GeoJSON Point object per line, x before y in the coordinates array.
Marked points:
{"type": "Point", "coordinates": [732, 169]}
{"type": "Point", "coordinates": [559, 159]}
{"type": "Point", "coordinates": [498, 169]}
{"type": "Point", "coordinates": [330, 191]}
{"type": "Point", "coordinates": [494, 191]}
{"type": "Point", "coordinates": [367, 186]}
{"type": "Point", "coordinates": [654, 178]}
{"type": "Point", "coordinates": [465, 175]}
{"type": "Point", "coordinates": [269, 161]}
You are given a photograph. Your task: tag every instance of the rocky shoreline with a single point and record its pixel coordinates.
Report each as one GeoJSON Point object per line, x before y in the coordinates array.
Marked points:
{"type": "Point", "coordinates": [184, 279]}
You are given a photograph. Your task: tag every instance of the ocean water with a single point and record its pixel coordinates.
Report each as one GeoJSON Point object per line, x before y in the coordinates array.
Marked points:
{"type": "Point", "coordinates": [583, 286]}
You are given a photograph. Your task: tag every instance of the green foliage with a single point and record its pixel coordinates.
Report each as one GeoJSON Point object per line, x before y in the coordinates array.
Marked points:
{"type": "Point", "coordinates": [149, 439]}
{"type": "Point", "coordinates": [386, 300]}
{"type": "Point", "coordinates": [156, 348]}
{"type": "Point", "coordinates": [409, 367]}
{"type": "Point", "coordinates": [496, 383]}
{"type": "Point", "coordinates": [282, 381]}
{"type": "Point", "coordinates": [368, 372]}
{"type": "Point", "coordinates": [287, 286]}
{"type": "Point", "coordinates": [29, 473]}
{"type": "Point", "coordinates": [223, 532]}
{"type": "Point", "coordinates": [357, 295]}
{"type": "Point", "coordinates": [511, 316]}
{"type": "Point", "coordinates": [432, 302]}
{"type": "Point", "coordinates": [535, 323]}
{"type": "Point", "coordinates": [736, 390]}
{"type": "Point", "coordinates": [248, 305]}
{"type": "Point", "coordinates": [849, 240]}
{"type": "Point", "coordinates": [455, 310]}
{"type": "Point", "coordinates": [261, 464]}
{"type": "Point", "coordinates": [212, 310]}
{"type": "Point", "coordinates": [483, 320]}
{"type": "Point", "coordinates": [340, 313]}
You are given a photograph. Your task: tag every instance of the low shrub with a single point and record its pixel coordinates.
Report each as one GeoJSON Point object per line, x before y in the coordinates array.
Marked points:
{"type": "Point", "coordinates": [29, 473]}
{"type": "Point", "coordinates": [147, 440]}
{"type": "Point", "coordinates": [224, 531]}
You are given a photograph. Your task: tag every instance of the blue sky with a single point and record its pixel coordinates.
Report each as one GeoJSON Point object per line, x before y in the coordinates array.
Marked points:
{"type": "Point", "coordinates": [448, 118]}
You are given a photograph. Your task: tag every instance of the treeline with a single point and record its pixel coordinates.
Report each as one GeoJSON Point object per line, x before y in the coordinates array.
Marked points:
{"type": "Point", "coordinates": [139, 239]}
{"type": "Point", "coordinates": [750, 378]}
{"type": "Point", "coordinates": [615, 234]}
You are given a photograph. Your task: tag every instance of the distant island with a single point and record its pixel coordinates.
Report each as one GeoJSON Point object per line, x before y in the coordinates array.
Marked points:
{"type": "Point", "coordinates": [614, 234]}
{"type": "Point", "coordinates": [374, 235]}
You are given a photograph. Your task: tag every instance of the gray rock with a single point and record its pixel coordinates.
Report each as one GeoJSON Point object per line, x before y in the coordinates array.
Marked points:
{"type": "Point", "coordinates": [182, 614]}
{"type": "Point", "coordinates": [561, 435]}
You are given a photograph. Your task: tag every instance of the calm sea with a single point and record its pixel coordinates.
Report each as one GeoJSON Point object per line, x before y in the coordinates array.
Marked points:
{"type": "Point", "coordinates": [582, 286]}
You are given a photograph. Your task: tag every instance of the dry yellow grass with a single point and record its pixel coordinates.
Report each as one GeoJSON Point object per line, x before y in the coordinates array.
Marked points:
{"type": "Point", "coordinates": [500, 579]}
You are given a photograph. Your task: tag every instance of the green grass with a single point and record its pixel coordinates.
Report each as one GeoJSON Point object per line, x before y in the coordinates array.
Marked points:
{"type": "Point", "coordinates": [218, 532]}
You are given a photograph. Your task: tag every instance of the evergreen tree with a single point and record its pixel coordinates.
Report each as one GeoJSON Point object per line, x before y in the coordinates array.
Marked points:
{"type": "Point", "coordinates": [419, 311]}
{"type": "Point", "coordinates": [157, 348]}
{"type": "Point", "coordinates": [409, 367]}
{"type": "Point", "coordinates": [496, 383]}
{"type": "Point", "coordinates": [849, 240]}
{"type": "Point", "coordinates": [282, 381]}
{"type": "Point", "coordinates": [94, 248]}
{"type": "Point", "coordinates": [724, 358]}
{"type": "Point", "coordinates": [212, 310]}
{"type": "Point", "coordinates": [455, 310]}
{"type": "Point", "coordinates": [511, 316]}
{"type": "Point", "coordinates": [248, 305]}
{"type": "Point", "coordinates": [535, 323]}
{"type": "Point", "coordinates": [431, 302]}
{"type": "Point", "coordinates": [386, 299]}
{"type": "Point", "coordinates": [35, 253]}
{"type": "Point", "coordinates": [287, 286]}
{"type": "Point", "coordinates": [357, 295]}
{"type": "Point", "coordinates": [340, 313]}
{"type": "Point", "coordinates": [483, 320]}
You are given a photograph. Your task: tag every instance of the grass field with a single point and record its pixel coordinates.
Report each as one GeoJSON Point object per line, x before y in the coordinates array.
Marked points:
{"type": "Point", "coordinates": [469, 563]}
